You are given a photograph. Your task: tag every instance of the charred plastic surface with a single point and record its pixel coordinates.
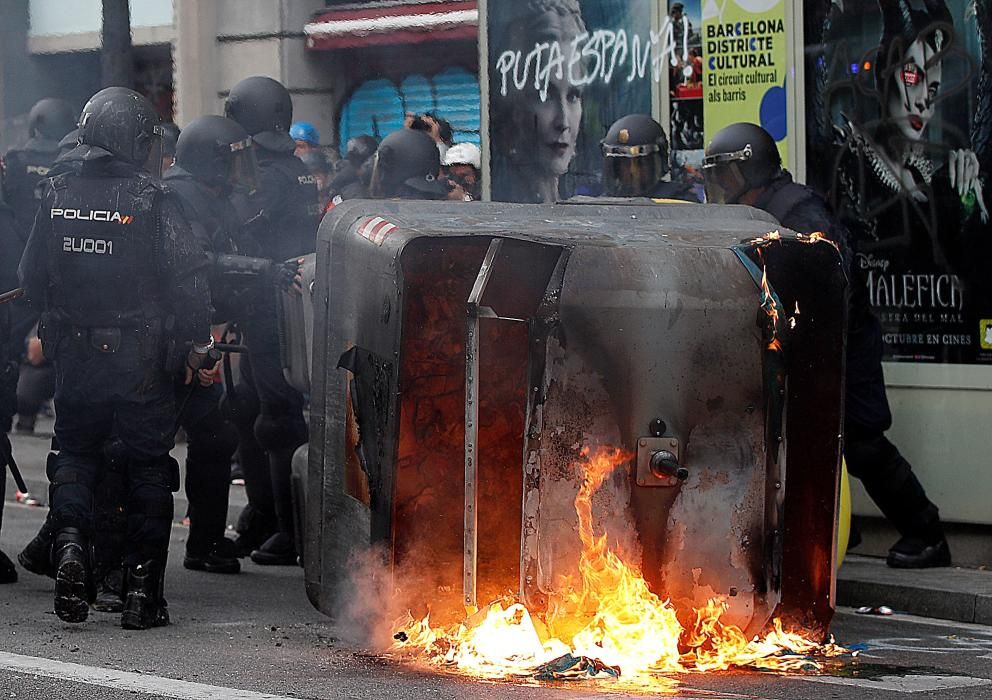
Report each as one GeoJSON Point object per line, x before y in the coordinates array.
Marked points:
{"type": "Point", "coordinates": [594, 326]}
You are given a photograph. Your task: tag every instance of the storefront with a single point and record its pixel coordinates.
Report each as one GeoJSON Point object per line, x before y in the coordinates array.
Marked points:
{"type": "Point", "coordinates": [885, 108]}
{"type": "Point", "coordinates": [399, 58]}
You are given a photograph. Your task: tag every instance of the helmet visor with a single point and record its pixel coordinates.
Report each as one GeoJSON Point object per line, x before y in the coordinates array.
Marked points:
{"type": "Point", "coordinates": [153, 161]}
{"type": "Point", "coordinates": [632, 177]}
{"type": "Point", "coordinates": [724, 183]}
{"type": "Point", "coordinates": [243, 173]}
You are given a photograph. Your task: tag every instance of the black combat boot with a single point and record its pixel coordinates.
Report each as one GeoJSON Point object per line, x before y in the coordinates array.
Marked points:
{"type": "Point", "coordinates": [922, 551]}
{"type": "Point", "coordinates": [278, 550]}
{"type": "Point", "coordinates": [72, 586]}
{"type": "Point", "coordinates": [36, 557]}
{"type": "Point", "coordinates": [254, 527]}
{"type": "Point", "coordinates": [110, 592]}
{"type": "Point", "coordinates": [144, 603]}
{"type": "Point", "coordinates": [220, 558]}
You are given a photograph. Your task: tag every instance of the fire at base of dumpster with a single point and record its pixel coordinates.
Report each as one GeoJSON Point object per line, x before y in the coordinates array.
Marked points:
{"type": "Point", "coordinates": [605, 624]}
{"type": "Point", "coordinates": [583, 441]}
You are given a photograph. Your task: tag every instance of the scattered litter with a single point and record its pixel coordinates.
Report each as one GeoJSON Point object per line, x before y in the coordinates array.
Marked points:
{"type": "Point", "coordinates": [27, 499]}
{"type": "Point", "coordinates": [879, 610]}
{"type": "Point", "coordinates": [574, 668]}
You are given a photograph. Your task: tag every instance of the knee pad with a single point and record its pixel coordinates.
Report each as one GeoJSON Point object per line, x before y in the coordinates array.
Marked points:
{"type": "Point", "coordinates": [63, 473]}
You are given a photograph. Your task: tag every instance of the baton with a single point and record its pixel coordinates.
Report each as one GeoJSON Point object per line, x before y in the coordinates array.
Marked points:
{"type": "Point", "coordinates": [212, 357]}
{"type": "Point", "coordinates": [11, 295]}
{"type": "Point", "coordinates": [228, 347]}
{"type": "Point", "coordinates": [7, 454]}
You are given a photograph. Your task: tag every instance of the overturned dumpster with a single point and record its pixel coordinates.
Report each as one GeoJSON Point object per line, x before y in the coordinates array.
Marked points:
{"type": "Point", "coordinates": [469, 359]}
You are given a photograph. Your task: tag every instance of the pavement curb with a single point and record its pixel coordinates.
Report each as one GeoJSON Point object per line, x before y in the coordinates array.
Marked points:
{"type": "Point", "coordinates": [961, 595]}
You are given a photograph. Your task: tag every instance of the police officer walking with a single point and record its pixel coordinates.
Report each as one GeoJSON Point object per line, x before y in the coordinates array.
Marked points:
{"type": "Point", "coordinates": [24, 168]}
{"type": "Point", "coordinates": [214, 158]}
{"type": "Point", "coordinates": [270, 416]}
{"type": "Point", "coordinates": [9, 241]}
{"type": "Point", "coordinates": [636, 159]}
{"type": "Point", "coordinates": [119, 275]}
{"type": "Point", "coordinates": [742, 166]}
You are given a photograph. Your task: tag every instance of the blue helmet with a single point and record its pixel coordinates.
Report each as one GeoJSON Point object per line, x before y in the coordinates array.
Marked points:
{"type": "Point", "coordinates": [305, 131]}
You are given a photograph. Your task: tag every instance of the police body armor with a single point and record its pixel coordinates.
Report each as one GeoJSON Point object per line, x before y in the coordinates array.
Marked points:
{"type": "Point", "coordinates": [233, 288]}
{"type": "Point", "coordinates": [24, 169]}
{"type": "Point", "coordinates": [104, 253]}
{"type": "Point", "coordinates": [299, 215]}
{"type": "Point", "coordinates": [214, 216]}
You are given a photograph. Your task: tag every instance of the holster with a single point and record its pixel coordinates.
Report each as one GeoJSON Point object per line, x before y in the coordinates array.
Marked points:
{"type": "Point", "coordinates": [50, 333]}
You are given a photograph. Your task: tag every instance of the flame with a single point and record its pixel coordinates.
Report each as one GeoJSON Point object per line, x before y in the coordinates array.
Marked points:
{"type": "Point", "coordinates": [609, 614]}
{"type": "Point", "coordinates": [770, 306]}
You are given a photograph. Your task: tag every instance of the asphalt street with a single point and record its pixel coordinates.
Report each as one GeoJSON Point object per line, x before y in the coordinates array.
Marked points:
{"type": "Point", "coordinates": [255, 636]}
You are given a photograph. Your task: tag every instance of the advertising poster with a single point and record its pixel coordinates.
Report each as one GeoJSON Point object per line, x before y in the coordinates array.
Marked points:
{"type": "Point", "coordinates": [560, 73]}
{"type": "Point", "coordinates": [899, 126]}
{"type": "Point", "coordinates": [685, 91]}
{"type": "Point", "coordinates": [744, 66]}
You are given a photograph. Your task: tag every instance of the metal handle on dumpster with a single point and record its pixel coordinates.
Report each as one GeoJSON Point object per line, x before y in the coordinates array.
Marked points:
{"type": "Point", "coordinates": [664, 464]}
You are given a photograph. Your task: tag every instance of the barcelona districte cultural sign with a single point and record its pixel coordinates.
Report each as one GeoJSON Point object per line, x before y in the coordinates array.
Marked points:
{"type": "Point", "coordinates": [561, 71]}
{"type": "Point", "coordinates": [744, 53]}
{"type": "Point", "coordinates": [899, 126]}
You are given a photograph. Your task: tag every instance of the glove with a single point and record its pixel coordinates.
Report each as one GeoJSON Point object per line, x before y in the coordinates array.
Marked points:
{"type": "Point", "coordinates": [200, 356]}
{"type": "Point", "coordinates": [283, 275]}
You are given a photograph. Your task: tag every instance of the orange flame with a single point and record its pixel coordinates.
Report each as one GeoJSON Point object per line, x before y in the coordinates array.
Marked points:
{"type": "Point", "coordinates": [610, 615]}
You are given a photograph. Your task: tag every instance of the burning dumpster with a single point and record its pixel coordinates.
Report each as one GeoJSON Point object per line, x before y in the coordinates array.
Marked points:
{"type": "Point", "coordinates": [612, 419]}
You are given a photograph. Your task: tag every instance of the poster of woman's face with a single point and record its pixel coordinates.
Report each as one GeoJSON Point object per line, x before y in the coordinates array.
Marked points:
{"type": "Point", "coordinates": [561, 71]}
{"type": "Point", "coordinates": [900, 117]}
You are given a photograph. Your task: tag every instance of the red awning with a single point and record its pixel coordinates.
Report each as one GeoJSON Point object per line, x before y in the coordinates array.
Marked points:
{"type": "Point", "coordinates": [391, 23]}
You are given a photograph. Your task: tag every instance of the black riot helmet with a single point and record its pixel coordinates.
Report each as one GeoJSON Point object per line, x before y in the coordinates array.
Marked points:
{"type": "Point", "coordinates": [217, 151]}
{"type": "Point", "coordinates": [51, 119]}
{"type": "Point", "coordinates": [360, 148]}
{"type": "Point", "coordinates": [635, 156]}
{"type": "Point", "coordinates": [407, 165]}
{"type": "Point", "coordinates": [264, 108]}
{"type": "Point", "coordinates": [122, 123]}
{"type": "Point", "coordinates": [740, 158]}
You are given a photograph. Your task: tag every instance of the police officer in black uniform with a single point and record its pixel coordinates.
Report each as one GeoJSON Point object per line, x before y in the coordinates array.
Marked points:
{"type": "Point", "coordinates": [214, 158]}
{"type": "Point", "coordinates": [407, 165]}
{"type": "Point", "coordinates": [123, 285]}
{"type": "Point", "coordinates": [636, 158]}
{"type": "Point", "coordinates": [742, 165]}
{"type": "Point", "coordinates": [270, 412]}
{"type": "Point", "coordinates": [24, 168]}
{"type": "Point", "coordinates": [9, 242]}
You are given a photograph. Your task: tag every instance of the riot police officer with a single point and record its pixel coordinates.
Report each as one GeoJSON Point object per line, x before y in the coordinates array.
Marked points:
{"type": "Point", "coordinates": [270, 416]}
{"type": "Point", "coordinates": [9, 242]}
{"type": "Point", "coordinates": [24, 168]}
{"type": "Point", "coordinates": [742, 165]}
{"type": "Point", "coordinates": [214, 157]}
{"type": "Point", "coordinates": [113, 227]}
{"type": "Point", "coordinates": [636, 158]}
{"type": "Point", "coordinates": [407, 165]}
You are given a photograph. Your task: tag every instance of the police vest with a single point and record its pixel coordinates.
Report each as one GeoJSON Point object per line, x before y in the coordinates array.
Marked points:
{"type": "Point", "coordinates": [104, 251]}
{"type": "Point", "coordinates": [213, 215]}
{"type": "Point", "coordinates": [299, 215]}
{"type": "Point", "coordinates": [23, 172]}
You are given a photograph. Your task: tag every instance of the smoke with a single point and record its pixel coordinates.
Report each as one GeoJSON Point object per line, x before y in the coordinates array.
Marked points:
{"type": "Point", "coordinates": [369, 604]}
